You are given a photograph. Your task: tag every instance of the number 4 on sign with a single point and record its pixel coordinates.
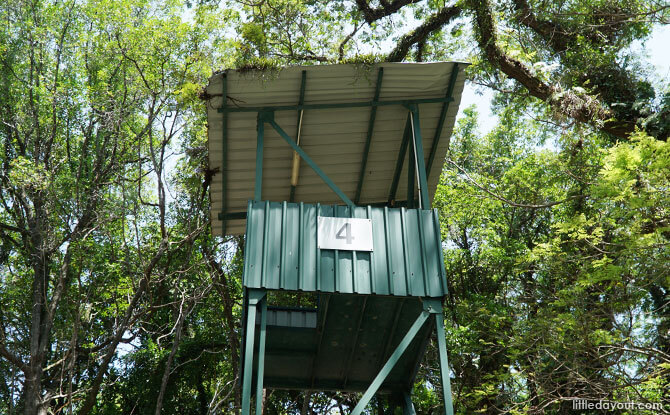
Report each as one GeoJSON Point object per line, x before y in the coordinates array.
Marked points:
{"type": "Point", "coordinates": [347, 233]}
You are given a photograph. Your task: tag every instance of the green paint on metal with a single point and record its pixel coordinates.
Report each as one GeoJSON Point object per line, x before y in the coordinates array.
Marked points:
{"type": "Point", "coordinates": [400, 161]}
{"type": "Point", "coordinates": [311, 163]}
{"type": "Point", "coordinates": [408, 406]}
{"type": "Point", "coordinates": [368, 136]}
{"type": "Point", "coordinates": [301, 101]}
{"type": "Point", "coordinates": [438, 236]}
{"type": "Point", "coordinates": [420, 164]}
{"type": "Point", "coordinates": [248, 231]}
{"type": "Point", "coordinates": [266, 243]}
{"type": "Point", "coordinates": [395, 357]}
{"type": "Point", "coordinates": [387, 238]}
{"type": "Point", "coordinates": [373, 281]}
{"type": "Point", "coordinates": [254, 297]}
{"type": "Point", "coordinates": [282, 251]}
{"type": "Point", "coordinates": [411, 177]}
{"type": "Point", "coordinates": [260, 129]}
{"type": "Point", "coordinates": [443, 116]}
{"type": "Point", "coordinates": [261, 357]}
{"type": "Point", "coordinates": [248, 359]}
{"type": "Point", "coordinates": [336, 280]}
{"type": "Point", "coordinates": [405, 253]}
{"type": "Point", "coordinates": [354, 261]}
{"type": "Point", "coordinates": [432, 305]}
{"type": "Point", "coordinates": [424, 254]}
{"type": "Point", "coordinates": [404, 102]}
{"type": "Point", "coordinates": [444, 365]}
{"type": "Point", "coordinates": [301, 244]}
{"type": "Point", "coordinates": [283, 257]}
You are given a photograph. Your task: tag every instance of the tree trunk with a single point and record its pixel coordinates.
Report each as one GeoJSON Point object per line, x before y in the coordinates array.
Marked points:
{"type": "Point", "coordinates": [32, 395]}
{"type": "Point", "coordinates": [305, 404]}
{"type": "Point", "coordinates": [168, 364]}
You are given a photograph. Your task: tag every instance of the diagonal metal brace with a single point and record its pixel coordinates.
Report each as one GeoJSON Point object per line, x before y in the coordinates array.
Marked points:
{"type": "Point", "coordinates": [311, 162]}
{"type": "Point", "coordinates": [443, 117]}
{"type": "Point", "coordinates": [433, 306]}
{"type": "Point", "coordinates": [390, 363]}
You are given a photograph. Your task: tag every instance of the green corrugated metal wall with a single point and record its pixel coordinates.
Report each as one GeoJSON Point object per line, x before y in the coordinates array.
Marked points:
{"type": "Point", "coordinates": [282, 252]}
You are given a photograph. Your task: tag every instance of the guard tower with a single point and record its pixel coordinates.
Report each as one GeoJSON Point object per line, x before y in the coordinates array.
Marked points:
{"type": "Point", "coordinates": [330, 172]}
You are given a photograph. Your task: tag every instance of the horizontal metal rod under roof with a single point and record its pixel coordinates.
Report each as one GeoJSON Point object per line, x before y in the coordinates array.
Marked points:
{"type": "Point", "coordinates": [336, 105]}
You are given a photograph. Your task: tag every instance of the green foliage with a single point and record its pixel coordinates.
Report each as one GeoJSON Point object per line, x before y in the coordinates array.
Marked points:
{"type": "Point", "coordinates": [560, 295]}
{"type": "Point", "coordinates": [95, 97]}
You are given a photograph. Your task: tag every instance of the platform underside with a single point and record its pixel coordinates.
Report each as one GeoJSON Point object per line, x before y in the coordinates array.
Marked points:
{"type": "Point", "coordinates": [343, 344]}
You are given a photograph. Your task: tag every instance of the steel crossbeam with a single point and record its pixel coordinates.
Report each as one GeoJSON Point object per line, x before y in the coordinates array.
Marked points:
{"type": "Point", "coordinates": [404, 102]}
{"type": "Point", "coordinates": [309, 161]}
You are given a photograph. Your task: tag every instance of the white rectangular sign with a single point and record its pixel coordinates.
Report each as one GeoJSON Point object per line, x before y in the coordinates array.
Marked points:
{"type": "Point", "coordinates": [346, 234]}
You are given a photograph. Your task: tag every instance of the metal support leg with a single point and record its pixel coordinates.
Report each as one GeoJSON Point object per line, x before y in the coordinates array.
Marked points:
{"type": "Point", "coordinates": [411, 177]}
{"type": "Point", "coordinates": [444, 364]}
{"type": "Point", "coordinates": [390, 363]}
{"type": "Point", "coordinates": [254, 296]}
{"type": "Point", "coordinates": [408, 406]}
{"type": "Point", "coordinates": [261, 357]}
{"type": "Point", "coordinates": [420, 164]}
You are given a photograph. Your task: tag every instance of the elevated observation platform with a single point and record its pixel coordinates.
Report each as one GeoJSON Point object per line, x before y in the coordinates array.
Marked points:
{"type": "Point", "coordinates": [348, 230]}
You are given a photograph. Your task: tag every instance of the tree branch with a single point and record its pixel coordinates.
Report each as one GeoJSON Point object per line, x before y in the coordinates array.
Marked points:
{"type": "Point", "coordinates": [581, 107]}
{"type": "Point", "coordinates": [418, 35]}
{"type": "Point", "coordinates": [509, 202]}
{"type": "Point", "coordinates": [303, 57]}
{"type": "Point", "coordinates": [611, 82]}
{"type": "Point", "coordinates": [340, 49]}
{"type": "Point", "coordinates": [13, 228]}
{"type": "Point", "coordinates": [549, 31]}
{"type": "Point", "coordinates": [14, 359]}
{"type": "Point", "coordinates": [387, 9]}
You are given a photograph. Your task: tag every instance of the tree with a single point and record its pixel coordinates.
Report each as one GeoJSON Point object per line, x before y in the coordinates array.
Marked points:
{"type": "Point", "coordinates": [94, 249]}
{"type": "Point", "coordinates": [547, 302]}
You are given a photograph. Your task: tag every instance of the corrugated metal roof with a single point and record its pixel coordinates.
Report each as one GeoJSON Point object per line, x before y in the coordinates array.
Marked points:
{"type": "Point", "coordinates": [333, 138]}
